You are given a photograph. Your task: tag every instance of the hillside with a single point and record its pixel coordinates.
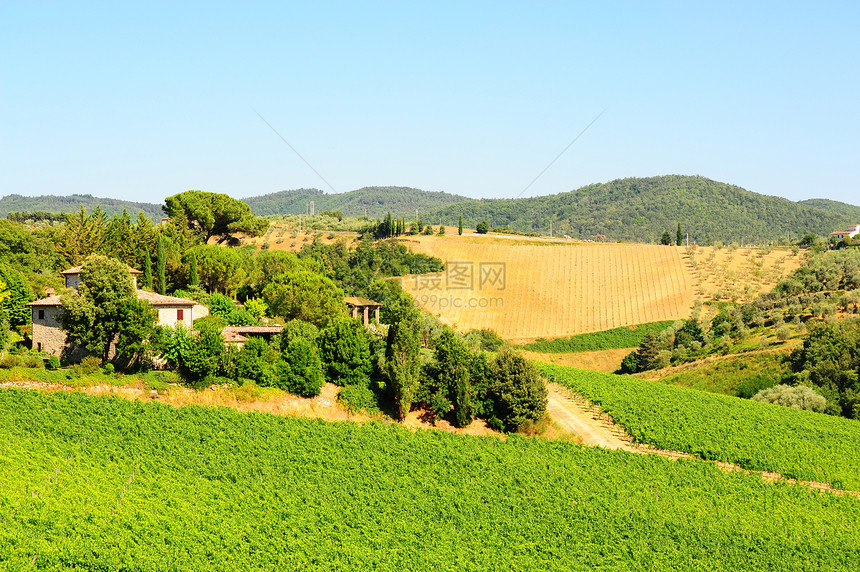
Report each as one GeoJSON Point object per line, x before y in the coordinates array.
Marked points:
{"type": "Point", "coordinates": [108, 484]}
{"type": "Point", "coordinates": [641, 209]}
{"type": "Point", "coordinates": [376, 202]}
{"type": "Point", "coordinates": [56, 204]}
{"type": "Point", "coordinates": [844, 209]}
{"type": "Point", "coordinates": [530, 288]}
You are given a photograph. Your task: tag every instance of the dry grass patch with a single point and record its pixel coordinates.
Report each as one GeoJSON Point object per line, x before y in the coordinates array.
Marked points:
{"type": "Point", "coordinates": [551, 288]}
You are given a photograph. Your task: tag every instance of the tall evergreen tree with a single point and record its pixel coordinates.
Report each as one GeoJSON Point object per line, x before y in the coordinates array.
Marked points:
{"type": "Point", "coordinates": [160, 265]}
{"type": "Point", "coordinates": [147, 271]}
{"type": "Point", "coordinates": [679, 238]}
{"type": "Point", "coordinates": [402, 363]}
{"type": "Point", "coordinates": [460, 226]}
{"type": "Point", "coordinates": [193, 278]}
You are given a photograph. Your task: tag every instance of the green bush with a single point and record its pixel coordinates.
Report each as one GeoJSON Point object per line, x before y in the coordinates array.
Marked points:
{"type": "Point", "coordinates": [517, 391]}
{"type": "Point", "coordinates": [358, 397]}
{"type": "Point", "coordinates": [301, 372]}
{"type": "Point", "coordinates": [797, 397]}
{"type": "Point", "coordinates": [33, 361]}
{"type": "Point", "coordinates": [53, 362]}
{"type": "Point", "coordinates": [90, 365]}
{"type": "Point", "coordinates": [10, 361]}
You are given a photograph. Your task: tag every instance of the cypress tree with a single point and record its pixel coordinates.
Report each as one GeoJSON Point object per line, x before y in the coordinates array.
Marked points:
{"type": "Point", "coordinates": [160, 264]}
{"type": "Point", "coordinates": [679, 238]}
{"type": "Point", "coordinates": [147, 271]}
{"type": "Point", "coordinates": [460, 226]}
{"type": "Point", "coordinates": [193, 279]}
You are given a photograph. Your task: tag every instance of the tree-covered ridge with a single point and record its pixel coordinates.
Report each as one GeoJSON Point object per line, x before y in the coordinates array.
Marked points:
{"type": "Point", "coordinates": [851, 211]}
{"type": "Point", "coordinates": [72, 203]}
{"type": "Point", "coordinates": [378, 201]}
{"type": "Point", "coordinates": [642, 209]}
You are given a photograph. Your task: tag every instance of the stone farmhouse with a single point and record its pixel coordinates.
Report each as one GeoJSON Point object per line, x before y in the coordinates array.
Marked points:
{"type": "Point", "coordinates": [48, 333]}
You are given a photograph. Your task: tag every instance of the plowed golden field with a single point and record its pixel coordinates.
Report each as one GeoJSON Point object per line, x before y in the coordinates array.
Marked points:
{"type": "Point", "coordinates": [525, 288]}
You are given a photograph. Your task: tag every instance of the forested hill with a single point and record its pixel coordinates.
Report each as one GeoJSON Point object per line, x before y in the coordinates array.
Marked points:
{"type": "Point", "coordinates": [399, 201]}
{"type": "Point", "coordinates": [70, 203]}
{"type": "Point", "coordinates": [641, 209]}
{"type": "Point", "coordinates": [851, 211]}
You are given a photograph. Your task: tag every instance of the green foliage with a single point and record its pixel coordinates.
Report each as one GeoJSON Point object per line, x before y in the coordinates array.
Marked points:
{"type": "Point", "coordinates": [205, 357]}
{"type": "Point", "coordinates": [797, 397]}
{"type": "Point", "coordinates": [53, 362]}
{"type": "Point", "coordinates": [641, 209]}
{"type": "Point", "coordinates": [193, 277]}
{"type": "Point", "coordinates": [453, 376]}
{"type": "Point", "coordinates": [345, 352]}
{"type": "Point", "coordinates": [176, 344]}
{"type": "Point", "coordinates": [679, 237]}
{"type": "Point", "coordinates": [623, 337]}
{"type": "Point", "coordinates": [741, 375]}
{"type": "Point", "coordinates": [295, 329]}
{"type": "Point", "coordinates": [255, 361]}
{"type": "Point", "coordinates": [524, 504]}
{"type": "Point", "coordinates": [257, 307]}
{"type": "Point", "coordinates": [301, 371]}
{"type": "Point", "coordinates": [305, 295]}
{"type": "Point", "coordinates": [105, 308]}
{"type": "Point", "coordinates": [402, 364]}
{"type": "Point", "coordinates": [15, 294]}
{"type": "Point", "coordinates": [220, 269]}
{"type": "Point", "coordinates": [376, 201]}
{"type": "Point", "coordinates": [70, 203]}
{"type": "Point", "coordinates": [484, 339]}
{"type": "Point", "coordinates": [517, 391]}
{"type": "Point", "coordinates": [666, 238]}
{"type": "Point", "coordinates": [829, 359]}
{"type": "Point", "coordinates": [147, 271]}
{"type": "Point", "coordinates": [215, 215]}
{"type": "Point", "coordinates": [482, 227]}
{"type": "Point", "coordinates": [460, 225]}
{"type": "Point", "coordinates": [220, 305]}
{"type": "Point", "coordinates": [160, 266]}
{"type": "Point", "coordinates": [358, 398]}
{"type": "Point", "coordinates": [717, 427]}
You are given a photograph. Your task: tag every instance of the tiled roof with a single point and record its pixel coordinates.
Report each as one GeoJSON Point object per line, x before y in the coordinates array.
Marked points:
{"type": "Point", "coordinates": [49, 301]}
{"type": "Point", "coordinates": [161, 300]}
{"type": "Point", "coordinates": [151, 297]}
{"type": "Point", "coordinates": [357, 301]}
{"type": "Point", "coordinates": [77, 270]}
{"type": "Point", "coordinates": [232, 337]}
{"type": "Point", "coordinates": [254, 329]}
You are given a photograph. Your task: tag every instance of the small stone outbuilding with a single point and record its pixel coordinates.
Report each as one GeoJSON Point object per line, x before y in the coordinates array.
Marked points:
{"type": "Point", "coordinates": [364, 307]}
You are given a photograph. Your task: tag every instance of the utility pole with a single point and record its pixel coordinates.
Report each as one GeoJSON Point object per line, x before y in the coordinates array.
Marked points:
{"type": "Point", "coordinates": [312, 208]}
{"type": "Point", "coordinates": [688, 239]}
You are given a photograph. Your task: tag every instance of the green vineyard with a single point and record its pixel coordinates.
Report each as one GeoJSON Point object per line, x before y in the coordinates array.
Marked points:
{"type": "Point", "coordinates": [105, 484]}
{"type": "Point", "coordinates": [759, 436]}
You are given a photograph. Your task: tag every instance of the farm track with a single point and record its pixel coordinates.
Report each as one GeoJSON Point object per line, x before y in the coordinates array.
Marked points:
{"type": "Point", "coordinates": [595, 428]}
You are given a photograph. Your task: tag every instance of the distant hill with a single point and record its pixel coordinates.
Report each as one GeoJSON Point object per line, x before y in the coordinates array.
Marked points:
{"type": "Point", "coordinates": [851, 211]}
{"type": "Point", "coordinates": [378, 201]}
{"type": "Point", "coordinates": [70, 203]}
{"type": "Point", "coordinates": [641, 209]}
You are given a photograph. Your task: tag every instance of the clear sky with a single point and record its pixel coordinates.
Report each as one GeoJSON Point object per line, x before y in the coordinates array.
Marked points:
{"type": "Point", "coordinates": [142, 100]}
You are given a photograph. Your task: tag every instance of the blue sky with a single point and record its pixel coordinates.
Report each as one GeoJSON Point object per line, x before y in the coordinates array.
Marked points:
{"type": "Point", "coordinates": [140, 101]}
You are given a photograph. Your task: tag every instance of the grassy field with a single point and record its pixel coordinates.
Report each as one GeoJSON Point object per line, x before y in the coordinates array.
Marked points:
{"type": "Point", "coordinates": [550, 288]}
{"type": "Point", "coordinates": [736, 374]}
{"type": "Point", "coordinates": [102, 483]}
{"type": "Point", "coordinates": [623, 337]}
{"type": "Point", "coordinates": [759, 436]}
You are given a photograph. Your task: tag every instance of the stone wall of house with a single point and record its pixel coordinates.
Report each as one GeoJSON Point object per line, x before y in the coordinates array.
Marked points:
{"type": "Point", "coordinates": [168, 316]}
{"type": "Point", "coordinates": [48, 335]}
{"type": "Point", "coordinates": [199, 311]}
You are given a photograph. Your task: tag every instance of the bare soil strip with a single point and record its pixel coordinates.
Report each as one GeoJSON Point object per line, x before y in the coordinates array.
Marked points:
{"type": "Point", "coordinates": [596, 428]}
